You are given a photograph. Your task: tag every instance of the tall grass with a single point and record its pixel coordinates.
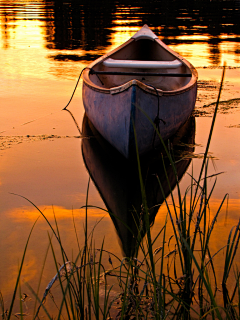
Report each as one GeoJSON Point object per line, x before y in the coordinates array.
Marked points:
{"type": "Point", "coordinates": [164, 284]}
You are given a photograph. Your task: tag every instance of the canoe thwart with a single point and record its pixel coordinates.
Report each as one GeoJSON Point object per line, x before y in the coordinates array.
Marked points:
{"type": "Point", "coordinates": [113, 63]}
{"type": "Point", "coordinates": [122, 73]}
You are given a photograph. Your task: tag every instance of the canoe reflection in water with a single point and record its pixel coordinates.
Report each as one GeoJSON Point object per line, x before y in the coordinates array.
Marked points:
{"type": "Point", "coordinates": [117, 179]}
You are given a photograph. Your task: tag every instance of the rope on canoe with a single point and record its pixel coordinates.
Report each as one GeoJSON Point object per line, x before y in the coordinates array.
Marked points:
{"type": "Point", "coordinates": [75, 88]}
{"type": "Point", "coordinates": [65, 108]}
{"type": "Point", "coordinates": [157, 120]}
{"type": "Point", "coordinates": [152, 74]}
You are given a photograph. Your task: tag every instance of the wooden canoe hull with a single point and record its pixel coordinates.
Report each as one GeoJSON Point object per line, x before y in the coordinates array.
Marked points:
{"type": "Point", "coordinates": [115, 115]}
{"type": "Point", "coordinates": [141, 82]}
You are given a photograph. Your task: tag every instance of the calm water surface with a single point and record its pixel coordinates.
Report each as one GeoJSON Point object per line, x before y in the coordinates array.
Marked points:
{"type": "Point", "coordinates": [43, 47]}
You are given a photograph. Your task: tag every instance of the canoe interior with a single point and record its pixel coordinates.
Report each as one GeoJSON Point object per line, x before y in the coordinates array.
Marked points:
{"type": "Point", "coordinates": [143, 50]}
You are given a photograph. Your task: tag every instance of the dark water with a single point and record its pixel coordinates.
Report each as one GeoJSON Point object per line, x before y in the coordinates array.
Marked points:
{"type": "Point", "coordinates": [91, 25]}
{"type": "Point", "coordinates": [44, 45]}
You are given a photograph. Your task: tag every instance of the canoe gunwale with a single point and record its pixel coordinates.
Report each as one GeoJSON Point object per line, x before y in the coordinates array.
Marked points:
{"type": "Point", "coordinates": [143, 86]}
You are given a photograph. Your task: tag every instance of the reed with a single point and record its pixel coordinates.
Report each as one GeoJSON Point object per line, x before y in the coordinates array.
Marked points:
{"type": "Point", "coordinates": [163, 284]}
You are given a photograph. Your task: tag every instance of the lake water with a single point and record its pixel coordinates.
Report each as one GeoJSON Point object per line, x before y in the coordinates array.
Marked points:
{"type": "Point", "coordinates": [44, 45]}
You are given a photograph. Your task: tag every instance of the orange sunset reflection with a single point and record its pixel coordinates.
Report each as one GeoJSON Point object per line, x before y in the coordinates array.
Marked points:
{"type": "Point", "coordinates": [121, 34]}
{"type": "Point", "coordinates": [31, 214]}
{"type": "Point", "coordinates": [44, 45]}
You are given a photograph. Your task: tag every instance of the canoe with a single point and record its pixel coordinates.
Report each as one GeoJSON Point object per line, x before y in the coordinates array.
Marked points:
{"type": "Point", "coordinates": [117, 180]}
{"type": "Point", "coordinates": [137, 88]}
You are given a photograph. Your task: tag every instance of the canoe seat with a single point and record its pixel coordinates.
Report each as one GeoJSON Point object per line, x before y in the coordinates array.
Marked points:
{"type": "Point", "coordinates": [112, 63]}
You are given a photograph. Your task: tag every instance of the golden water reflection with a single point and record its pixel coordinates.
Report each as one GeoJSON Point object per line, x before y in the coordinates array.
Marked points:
{"type": "Point", "coordinates": [43, 48]}
{"type": "Point", "coordinates": [42, 25]}
{"type": "Point", "coordinates": [23, 221]}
